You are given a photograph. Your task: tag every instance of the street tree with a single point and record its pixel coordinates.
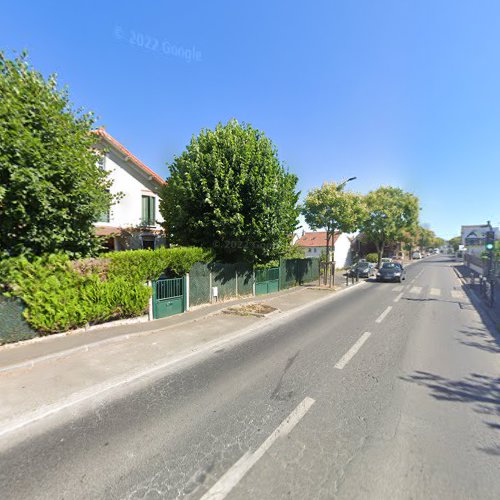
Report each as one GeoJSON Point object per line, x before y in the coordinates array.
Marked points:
{"type": "Point", "coordinates": [331, 208]}
{"type": "Point", "coordinates": [51, 187]}
{"type": "Point", "coordinates": [455, 243]}
{"type": "Point", "coordinates": [390, 212]}
{"type": "Point", "coordinates": [229, 191]}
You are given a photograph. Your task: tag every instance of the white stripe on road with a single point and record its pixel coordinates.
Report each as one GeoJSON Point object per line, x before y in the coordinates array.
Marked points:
{"type": "Point", "coordinates": [398, 298]}
{"type": "Point", "coordinates": [398, 288]}
{"type": "Point", "coordinates": [416, 289]}
{"type": "Point", "coordinates": [457, 294]}
{"type": "Point", "coordinates": [383, 315]}
{"type": "Point", "coordinates": [234, 475]}
{"type": "Point", "coordinates": [435, 291]}
{"type": "Point", "coordinates": [352, 351]}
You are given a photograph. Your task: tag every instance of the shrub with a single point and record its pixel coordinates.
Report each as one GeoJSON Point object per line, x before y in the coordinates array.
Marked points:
{"type": "Point", "coordinates": [60, 294]}
{"type": "Point", "coordinates": [372, 257]}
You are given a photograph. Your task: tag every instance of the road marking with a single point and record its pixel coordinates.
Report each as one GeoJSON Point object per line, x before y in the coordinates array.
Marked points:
{"type": "Point", "coordinates": [383, 315]}
{"type": "Point", "coordinates": [352, 351]}
{"type": "Point", "coordinates": [398, 288]}
{"type": "Point", "coordinates": [236, 473]}
{"type": "Point", "coordinates": [457, 294]}
{"type": "Point", "coordinates": [398, 298]}
{"type": "Point", "coordinates": [435, 291]}
{"type": "Point", "coordinates": [416, 289]}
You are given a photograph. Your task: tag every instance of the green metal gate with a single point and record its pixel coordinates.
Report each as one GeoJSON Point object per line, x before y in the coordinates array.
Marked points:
{"type": "Point", "coordinates": [267, 280]}
{"type": "Point", "coordinates": [168, 297]}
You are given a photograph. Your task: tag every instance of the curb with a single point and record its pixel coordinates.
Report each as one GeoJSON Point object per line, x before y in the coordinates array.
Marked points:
{"type": "Point", "coordinates": [92, 345]}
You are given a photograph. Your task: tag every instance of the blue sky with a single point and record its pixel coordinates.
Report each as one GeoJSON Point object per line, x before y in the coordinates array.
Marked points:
{"type": "Point", "coordinates": [396, 92]}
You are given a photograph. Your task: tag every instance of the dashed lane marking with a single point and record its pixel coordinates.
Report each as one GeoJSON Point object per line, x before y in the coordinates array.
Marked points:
{"type": "Point", "coordinates": [416, 289]}
{"type": "Point", "coordinates": [436, 292]}
{"type": "Point", "coordinates": [383, 315]}
{"type": "Point", "coordinates": [236, 473]}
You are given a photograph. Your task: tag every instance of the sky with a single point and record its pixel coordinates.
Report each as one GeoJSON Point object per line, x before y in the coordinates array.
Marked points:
{"type": "Point", "coordinates": [403, 93]}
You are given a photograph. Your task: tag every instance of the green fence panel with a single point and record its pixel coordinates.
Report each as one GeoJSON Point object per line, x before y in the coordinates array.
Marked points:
{"type": "Point", "coordinates": [244, 279]}
{"type": "Point", "coordinates": [298, 272]}
{"type": "Point", "coordinates": [199, 284]}
{"type": "Point", "coordinates": [168, 297]}
{"type": "Point", "coordinates": [13, 326]}
{"type": "Point", "coordinates": [224, 278]}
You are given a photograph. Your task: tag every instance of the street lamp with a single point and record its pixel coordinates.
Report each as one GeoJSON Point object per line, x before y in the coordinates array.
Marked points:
{"type": "Point", "coordinates": [343, 183]}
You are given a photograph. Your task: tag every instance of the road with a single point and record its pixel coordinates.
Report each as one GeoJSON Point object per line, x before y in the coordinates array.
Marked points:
{"type": "Point", "coordinates": [391, 391]}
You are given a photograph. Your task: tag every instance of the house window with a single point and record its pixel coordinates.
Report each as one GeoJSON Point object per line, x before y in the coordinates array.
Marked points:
{"type": "Point", "coordinates": [148, 210]}
{"type": "Point", "coordinates": [104, 216]}
{"type": "Point", "coordinates": [148, 242]}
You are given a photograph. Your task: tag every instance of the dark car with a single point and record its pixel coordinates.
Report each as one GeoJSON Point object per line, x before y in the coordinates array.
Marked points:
{"type": "Point", "coordinates": [362, 269]}
{"type": "Point", "coordinates": [391, 271]}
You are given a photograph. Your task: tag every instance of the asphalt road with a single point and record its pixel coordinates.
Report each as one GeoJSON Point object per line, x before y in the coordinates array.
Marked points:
{"type": "Point", "coordinates": [390, 391]}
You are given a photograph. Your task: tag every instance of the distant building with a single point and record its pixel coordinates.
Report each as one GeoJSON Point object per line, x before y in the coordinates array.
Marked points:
{"type": "Point", "coordinates": [314, 244]}
{"type": "Point", "coordinates": [473, 238]}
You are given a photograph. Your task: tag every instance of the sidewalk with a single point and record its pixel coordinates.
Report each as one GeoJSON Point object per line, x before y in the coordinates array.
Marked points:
{"type": "Point", "coordinates": [72, 370]}
{"type": "Point", "coordinates": [470, 280]}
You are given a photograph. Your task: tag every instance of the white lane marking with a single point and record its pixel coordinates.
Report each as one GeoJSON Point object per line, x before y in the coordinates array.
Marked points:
{"type": "Point", "coordinates": [398, 298]}
{"type": "Point", "coordinates": [435, 291]}
{"type": "Point", "coordinates": [457, 294]}
{"type": "Point", "coordinates": [383, 315]}
{"type": "Point", "coordinates": [234, 475]}
{"type": "Point", "coordinates": [416, 289]}
{"type": "Point", "coordinates": [398, 288]}
{"type": "Point", "coordinates": [352, 351]}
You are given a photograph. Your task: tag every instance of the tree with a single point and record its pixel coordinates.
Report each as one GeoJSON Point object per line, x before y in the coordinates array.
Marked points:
{"type": "Point", "coordinates": [390, 212]}
{"type": "Point", "coordinates": [51, 188]}
{"type": "Point", "coordinates": [229, 191]}
{"type": "Point", "coordinates": [331, 208]}
{"type": "Point", "coordinates": [455, 243]}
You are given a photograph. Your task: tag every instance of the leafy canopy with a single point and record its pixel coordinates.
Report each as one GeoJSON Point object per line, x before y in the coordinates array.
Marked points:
{"type": "Point", "coordinates": [391, 213]}
{"type": "Point", "coordinates": [229, 191]}
{"type": "Point", "coordinates": [332, 208]}
{"type": "Point", "coordinates": [51, 189]}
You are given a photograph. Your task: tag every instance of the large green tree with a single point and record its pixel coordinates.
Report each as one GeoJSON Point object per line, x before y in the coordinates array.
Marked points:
{"type": "Point", "coordinates": [229, 191]}
{"type": "Point", "coordinates": [51, 188]}
{"type": "Point", "coordinates": [391, 213]}
{"type": "Point", "coordinates": [331, 208]}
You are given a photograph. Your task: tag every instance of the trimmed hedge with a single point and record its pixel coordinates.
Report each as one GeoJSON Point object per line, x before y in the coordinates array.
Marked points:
{"type": "Point", "coordinates": [60, 294]}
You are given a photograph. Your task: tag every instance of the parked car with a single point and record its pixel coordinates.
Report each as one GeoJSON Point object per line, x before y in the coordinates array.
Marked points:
{"type": "Point", "coordinates": [416, 255]}
{"type": "Point", "coordinates": [362, 268]}
{"type": "Point", "coordinates": [391, 271]}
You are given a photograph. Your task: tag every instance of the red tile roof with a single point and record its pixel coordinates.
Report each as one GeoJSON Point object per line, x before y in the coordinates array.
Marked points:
{"type": "Point", "coordinates": [107, 230]}
{"type": "Point", "coordinates": [120, 147]}
{"type": "Point", "coordinates": [314, 239]}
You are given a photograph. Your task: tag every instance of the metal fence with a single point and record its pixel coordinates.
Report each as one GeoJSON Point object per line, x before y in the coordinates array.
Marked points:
{"type": "Point", "coordinates": [236, 280]}
{"type": "Point", "coordinates": [296, 272]}
{"type": "Point", "coordinates": [13, 327]}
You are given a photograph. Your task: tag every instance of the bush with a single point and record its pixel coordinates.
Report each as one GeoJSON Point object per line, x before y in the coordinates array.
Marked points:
{"type": "Point", "coordinates": [60, 294]}
{"type": "Point", "coordinates": [372, 257]}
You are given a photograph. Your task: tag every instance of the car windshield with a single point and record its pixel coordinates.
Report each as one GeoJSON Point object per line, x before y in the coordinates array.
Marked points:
{"type": "Point", "coordinates": [390, 265]}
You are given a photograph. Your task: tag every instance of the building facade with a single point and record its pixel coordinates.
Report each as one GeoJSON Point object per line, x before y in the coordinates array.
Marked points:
{"type": "Point", "coordinates": [134, 221]}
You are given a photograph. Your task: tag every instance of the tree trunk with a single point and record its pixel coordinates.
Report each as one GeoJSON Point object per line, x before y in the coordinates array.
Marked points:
{"type": "Point", "coordinates": [380, 251]}
{"type": "Point", "coordinates": [325, 281]}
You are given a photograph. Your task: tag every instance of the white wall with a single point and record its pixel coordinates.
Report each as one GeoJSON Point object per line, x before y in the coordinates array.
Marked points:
{"type": "Point", "coordinates": [133, 184]}
{"type": "Point", "coordinates": [342, 255]}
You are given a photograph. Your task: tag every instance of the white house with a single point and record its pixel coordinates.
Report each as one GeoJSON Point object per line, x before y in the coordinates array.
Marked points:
{"type": "Point", "coordinates": [134, 221]}
{"type": "Point", "coordinates": [314, 244]}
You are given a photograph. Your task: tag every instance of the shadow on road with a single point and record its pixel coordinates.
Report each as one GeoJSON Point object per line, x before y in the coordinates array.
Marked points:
{"type": "Point", "coordinates": [482, 392]}
{"type": "Point", "coordinates": [481, 338]}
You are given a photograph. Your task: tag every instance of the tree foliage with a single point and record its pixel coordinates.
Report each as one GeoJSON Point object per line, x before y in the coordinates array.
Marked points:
{"type": "Point", "coordinates": [229, 191]}
{"type": "Point", "coordinates": [51, 188]}
{"type": "Point", "coordinates": [390, 213]}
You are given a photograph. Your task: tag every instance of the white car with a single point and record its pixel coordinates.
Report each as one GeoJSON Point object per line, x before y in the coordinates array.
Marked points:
{"type": "Point", "coordinates": [416, 255]}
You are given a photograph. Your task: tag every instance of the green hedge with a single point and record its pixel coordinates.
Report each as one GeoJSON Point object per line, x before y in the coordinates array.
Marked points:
{"type": "Point", "coordinates": [372, 257]}
{"type": "Point", "coordinates": [60, 294]}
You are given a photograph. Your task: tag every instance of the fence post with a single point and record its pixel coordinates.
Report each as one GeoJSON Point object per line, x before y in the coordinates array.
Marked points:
{"type": "Point", "coordinates": [253, 283]}
{"type": "Point", "coordinates": [236, 283]}
{"type": "Point", "coordinates": [210, 288]}
{"type": "Point", "coordinates": [186, 292]}
{"type": "Point", "coordinates": [151, 301]}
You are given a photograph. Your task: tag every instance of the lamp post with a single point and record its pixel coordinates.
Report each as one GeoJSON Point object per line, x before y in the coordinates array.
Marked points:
{"type": "Point", "coordinates": [340, 187]}
{"type": "Point", "coordinates": [343, 183]}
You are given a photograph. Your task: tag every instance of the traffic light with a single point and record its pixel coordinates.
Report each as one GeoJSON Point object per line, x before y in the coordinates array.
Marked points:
{"type": "Point", "coordinates": [490, 241]}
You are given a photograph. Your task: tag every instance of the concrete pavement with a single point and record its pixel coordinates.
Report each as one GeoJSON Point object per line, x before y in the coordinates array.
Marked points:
{"type": "Point", "coordinates": [388, 391]}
